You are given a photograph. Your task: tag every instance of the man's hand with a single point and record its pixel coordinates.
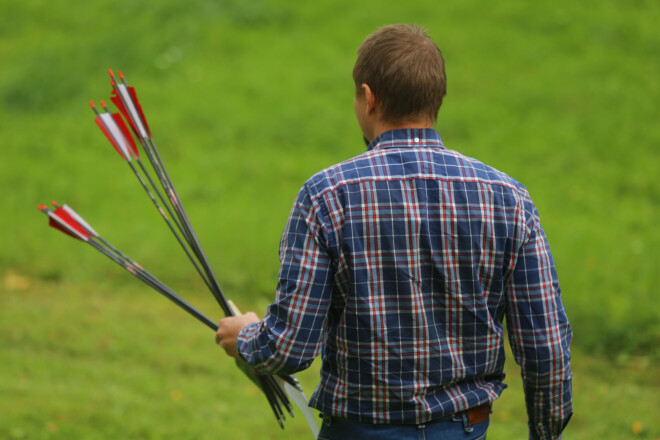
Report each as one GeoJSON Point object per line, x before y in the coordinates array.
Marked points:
{"type": "Point", "coordinates": [228, 329]}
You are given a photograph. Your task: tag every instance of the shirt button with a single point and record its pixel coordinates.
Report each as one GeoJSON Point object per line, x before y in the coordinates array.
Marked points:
{"type": "Point", "coordinates": [416, 139]}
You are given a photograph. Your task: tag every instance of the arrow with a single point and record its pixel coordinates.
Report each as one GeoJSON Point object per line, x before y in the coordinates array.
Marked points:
{"type": "Point", "coordinates": [125, 99]}
{"type": "Point", "coordinates": [66, 220]}
{"type": "Point", "coordinates": [115, 130]}
{"type": "Point", "coordinates": [57, 222]}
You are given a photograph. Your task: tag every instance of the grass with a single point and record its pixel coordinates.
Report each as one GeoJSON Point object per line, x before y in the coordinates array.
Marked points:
{"type": "Point", "coordinates": [248, 99]}
{"type": "Point", "coordinates": [89, 362]}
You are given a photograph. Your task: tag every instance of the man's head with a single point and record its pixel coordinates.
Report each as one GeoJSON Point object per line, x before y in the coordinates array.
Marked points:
{"type": "Point", "coordinates": [404, 71]}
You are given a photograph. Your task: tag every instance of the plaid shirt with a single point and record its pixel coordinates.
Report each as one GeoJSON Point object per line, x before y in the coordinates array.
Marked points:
{"type": "Point", "coordinates": [398, 267]}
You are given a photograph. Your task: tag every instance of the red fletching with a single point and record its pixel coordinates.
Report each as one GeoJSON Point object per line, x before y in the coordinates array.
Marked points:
{"type": "Point", "coordinates": [127, 134]}
{"type": "Point", "coordinates": [107, 134]}
{"type": "Point", "coordinates": [61, 220]}
{"type": "Point", "coordinates": [55, 224]}
{"type": "Point", "coordinates": [71, 222]}
{"type": "Point", "coordinates": [139, 108]}
{"type": "Point", "coordinates": [114, 97]}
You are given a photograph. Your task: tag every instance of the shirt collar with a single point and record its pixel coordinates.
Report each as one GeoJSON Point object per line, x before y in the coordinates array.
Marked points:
{"type": "Point", "coordinates": [407, 137]}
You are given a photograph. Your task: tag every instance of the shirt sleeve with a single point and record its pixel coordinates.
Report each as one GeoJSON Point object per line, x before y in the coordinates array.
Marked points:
{"type": "Point", "coordinates": [289, 337]}
{"type": "Point", "coordinates": [539, 332]}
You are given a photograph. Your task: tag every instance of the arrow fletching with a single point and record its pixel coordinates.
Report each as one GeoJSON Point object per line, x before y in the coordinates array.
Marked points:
{"type": "Point", "coordinates": [132, 147]}
{"type": "Point", "coordinates": [125, 98]}
{"type": "Point", "coordinates": [62, 221]}
{"type": "Point", "coordinates": [74, 215]}
{"type": "Point", "coordinates": [114, 128]}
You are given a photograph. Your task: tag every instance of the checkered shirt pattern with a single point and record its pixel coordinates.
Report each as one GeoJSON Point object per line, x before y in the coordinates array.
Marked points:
{"type": "Point", "coordinates": [398, 267]}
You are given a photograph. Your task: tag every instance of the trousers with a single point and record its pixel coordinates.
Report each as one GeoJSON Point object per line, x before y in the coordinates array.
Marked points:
{"type": "Point", "coordinates": [456, 427]}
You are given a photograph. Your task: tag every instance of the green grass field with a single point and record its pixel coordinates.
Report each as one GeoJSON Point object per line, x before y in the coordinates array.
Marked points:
{"type": "Point", "coordinates": [248, 99]}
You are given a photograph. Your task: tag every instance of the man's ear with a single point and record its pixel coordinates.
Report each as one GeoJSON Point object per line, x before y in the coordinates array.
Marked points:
{"type": "Point", "coordinates": [371, 102]}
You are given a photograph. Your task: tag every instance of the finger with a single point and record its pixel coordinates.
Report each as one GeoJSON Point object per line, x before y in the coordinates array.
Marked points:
{"type": "Point", "coordinates": [219, 334]}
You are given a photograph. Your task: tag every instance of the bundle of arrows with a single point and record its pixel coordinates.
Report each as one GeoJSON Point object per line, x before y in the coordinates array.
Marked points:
{"type": "Point", "coordinates": [277, 389]}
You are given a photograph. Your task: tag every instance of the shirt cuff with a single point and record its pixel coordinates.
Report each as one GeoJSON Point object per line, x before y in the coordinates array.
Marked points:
{"type": "Point", "coordinates": [243, 341]}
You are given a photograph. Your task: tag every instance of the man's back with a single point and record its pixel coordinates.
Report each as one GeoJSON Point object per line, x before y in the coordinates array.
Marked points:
{"type": "Point", "coordinates": [425, 241]}
{"type": "Point", "coordinates": [405, 260]}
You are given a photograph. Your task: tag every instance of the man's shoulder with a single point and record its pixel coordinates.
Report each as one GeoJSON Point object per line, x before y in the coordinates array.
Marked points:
{"type": "Point", "coordinates": [474, 169]}
{"type": "Point", "coordinates": [339, 174]}
{"type": "Point", "coordinates": [448, 165]}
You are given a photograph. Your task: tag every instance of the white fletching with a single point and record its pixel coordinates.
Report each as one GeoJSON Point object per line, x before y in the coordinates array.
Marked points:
{"type": "Point", "coordinates": [116, 134]}
{"type": "Point", "coordinates": [80, 220]}
{"type": "Point", "coordinates": [61, 222]}
{"type": "Point", "coordinates": [132, 110]}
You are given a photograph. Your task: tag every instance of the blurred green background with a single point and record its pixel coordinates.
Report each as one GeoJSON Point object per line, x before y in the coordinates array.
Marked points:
{"type": "Point", "coordinates": [245, 101]}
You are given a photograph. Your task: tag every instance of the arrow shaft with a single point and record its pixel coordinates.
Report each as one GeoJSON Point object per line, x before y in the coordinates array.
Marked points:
{"type": "Point", "coordinates": [122, 90]}
{"type": "Point", "coordinates": [167, 220]}
{"type": "Point", "coordinates": [184, 222]}
{"type": "Point", "coordinates": [153, 282]}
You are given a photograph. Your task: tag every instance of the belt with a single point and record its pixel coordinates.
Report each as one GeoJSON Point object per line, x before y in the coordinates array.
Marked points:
{"type": "Point", "coordinates": [478, 414]}
{"type": "Point", "coordinates": [474, 415]}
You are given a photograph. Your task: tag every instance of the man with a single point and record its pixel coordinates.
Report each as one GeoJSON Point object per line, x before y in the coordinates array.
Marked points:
{"type": "Point", "coordinates": [398, 267]}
